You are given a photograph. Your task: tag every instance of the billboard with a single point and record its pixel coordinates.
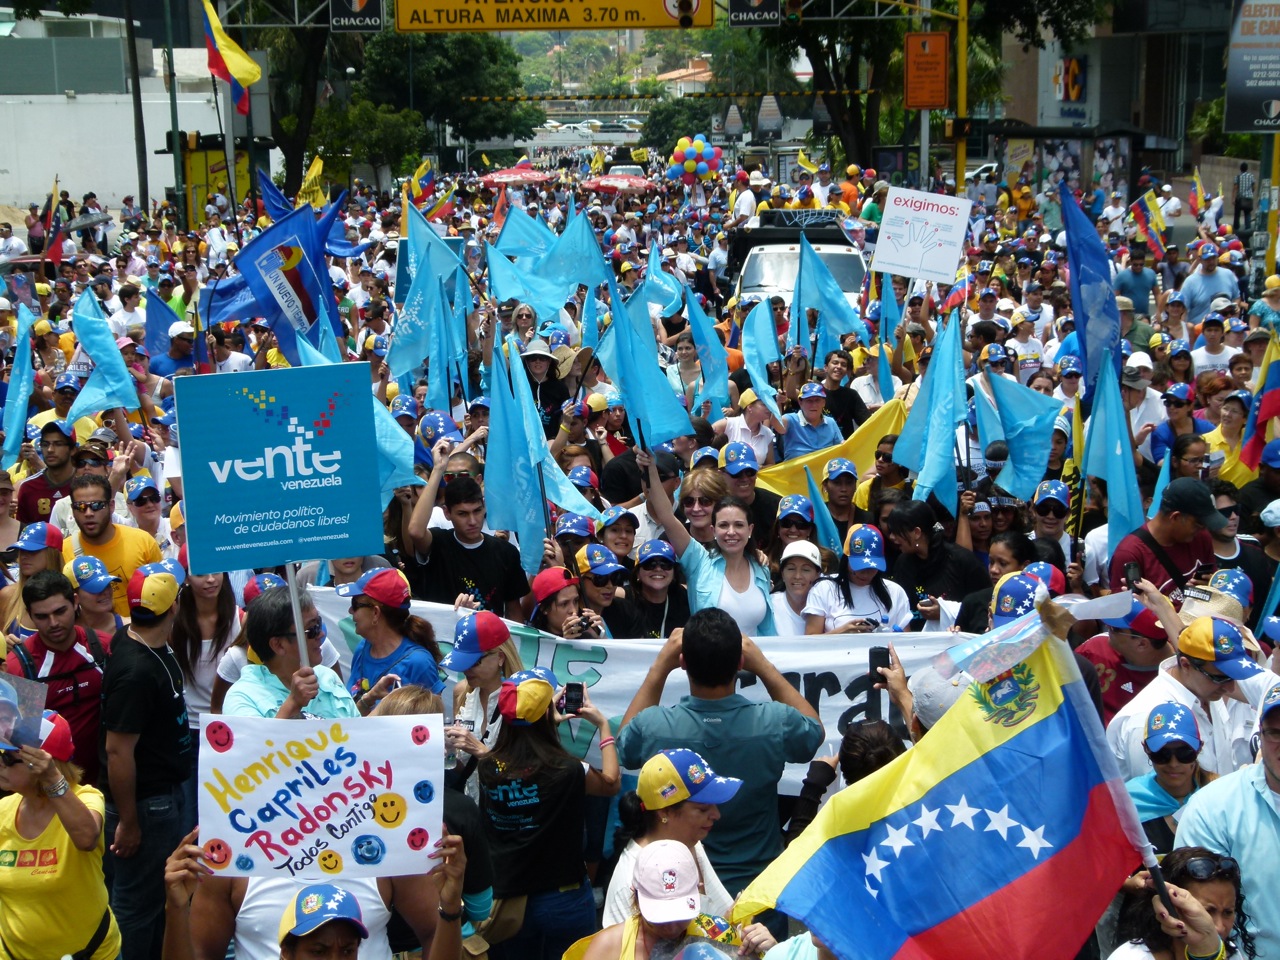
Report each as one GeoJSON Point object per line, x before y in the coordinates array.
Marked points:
{"type": "Point", "coordinates": [1253, 70]}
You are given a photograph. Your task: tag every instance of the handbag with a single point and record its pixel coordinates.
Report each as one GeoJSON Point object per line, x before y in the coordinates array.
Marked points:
{"type": "Point", "coordinates": [504, 922]}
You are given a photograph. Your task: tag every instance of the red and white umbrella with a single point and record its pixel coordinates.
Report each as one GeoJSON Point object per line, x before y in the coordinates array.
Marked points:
{"type": "Point", "coordinates": [619, 183]}
{"type": "Point", "coordinates": [516, 177]}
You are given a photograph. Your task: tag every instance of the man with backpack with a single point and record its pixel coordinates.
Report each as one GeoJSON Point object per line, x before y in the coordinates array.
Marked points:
{"type": "Point", "coordinates": [68, 659]}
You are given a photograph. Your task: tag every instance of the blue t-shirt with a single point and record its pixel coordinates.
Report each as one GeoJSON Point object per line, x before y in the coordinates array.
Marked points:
{"type": "Point", "coordinates": [163, 365]}
{"type": "Point", "coordinates": [802, 438]}
{"type": "Point", "coordinates": [410, 662]}
{"type": "Point", "coordinates": [1163, 437]}
{"type": "Point", "coordinates": [1137, 287]}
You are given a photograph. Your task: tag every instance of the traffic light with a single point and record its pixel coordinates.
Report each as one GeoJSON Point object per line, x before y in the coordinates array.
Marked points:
{"type": "Point", "coordinates": [794, 13]}
{"type": "Point", "coordinates": [684, 11]}
{"type": "Point", "coordinates": [957, 129]}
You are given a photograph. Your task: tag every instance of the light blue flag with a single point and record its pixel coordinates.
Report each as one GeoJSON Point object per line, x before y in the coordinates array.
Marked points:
{"type": "Point", "coordinates": [506, 280]}
{"type": "Point", "coordinates": [329, 347]}
{"type": "Point", "coordinates": [1026, 420]}
{"type": "Point", "coordinates": [21, 382]}
{"type": "Point", "coordinates": [759, 349]}
{"type": "Point", "coordinates": [927, 441]}
{"type": "Point", "coordinates": [441, 367]}
{"type": "Point", "coordinates": [890, 317]}
{"type": "Point", "coordinates": [458, 330]}
{"type": "Point", "coordinates": [160, 317]}
{"type": "Point", "coordinates": [1162, 481]}
{"type": "Point", "coordinates": [524, 236]}
{"type": "Point", "coordinates": [989, 426]}
{"type": "Point", "coordinates": [575, 258]}
{"type": "Point", "coordinates": [590, 316]}
{"type": "Point", "coordinates": [713, 358]}
{"type": "Point", "coordinates": [411, 340]}
{"type": "Point", "coordinates": [1273, 600]}
{"type": "Point", "coordinates": [655, 412]}
{"type": "Point", "coordinates": [824, 525]}
{"type": "Point", "coordinates": [816, 288]}
{"type": "Point", "coordinates": [424, 245]}
{"type": "Point", "coordinates": [660, 287]}
{"type": "Point", "coordinates": [109, 385]}
{"type": "Point", "coordinates": [1092, 296]}
{"type": "Point", "coordinates": [1108, 454]}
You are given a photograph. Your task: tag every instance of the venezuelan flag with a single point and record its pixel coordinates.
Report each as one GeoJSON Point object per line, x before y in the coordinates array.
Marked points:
{"type": "Point", "coordinates": [1150, 221]}
{"type": "Point", "coordinates": [968, 844]}
{"type": "Point", "coordinates": [1195, 199]}
{"type": "Point", "coordinates": [423, 183]}
{"type": "Point", "coordinates": [227, 61]}
{"type": "Point", "coordinates": [959, 296]}
{"type": "Point", "coordinates": [442, 207]}
{"type": "Point", "coordinates": [523, 162]}
{"type": "Point", "coordinates": [1265, 407]}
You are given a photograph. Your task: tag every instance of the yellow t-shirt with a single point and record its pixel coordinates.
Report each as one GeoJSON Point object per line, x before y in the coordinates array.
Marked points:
{"type": "Point", "coordinates": [862, 495]}
{"type": "Point", "coordinates": [129, 549]}
{"type": "Point", "coordinates": [84, 426]}
{"type": "Point", "coordinates": [53, 894]}
{"type": "Point", "coordinates": [1232, 470]}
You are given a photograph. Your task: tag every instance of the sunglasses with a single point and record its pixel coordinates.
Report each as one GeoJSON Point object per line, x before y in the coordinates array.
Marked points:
{"type": "Point", "coordinates": [657, 565]}
{"type": "Point", "coordinates": [1230, 511]}
{"type": "Point", "coordinates": [91, 462]}
{"type": "Point", "coordinates": [698, 502]}
{"type": "Point", "coordinates": [792, 523]}
{"type": "Point", "coordinates": [147, 499]}
{"type": "Point", "coordinates": [356, 605]}
{"type": "Point", "coordinates": [607, 579]}
{"type": "Point", "coordinates": [746, 475]}
{"type": "Point", "coordinates": [10, 759]}
{"type": "Point", "coordinates": [1176, 404]}
{"type": "Point", "coordinates": [1168, 753]}
{"type": "Point", "coordinates": [87, 506]}
{"type": "Point", "coordinates": [1051, 510]}
{"type": "Point", "coordinates": [315, 631]}
{"type": "Point", "coordinates": [1204, 868]}
{"type": "Point", "coordinates": [882, 457]}
{"type": "Point", "coordinates": [1217, 678]}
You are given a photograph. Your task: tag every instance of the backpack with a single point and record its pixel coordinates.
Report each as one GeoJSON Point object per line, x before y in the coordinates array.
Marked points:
{"type": "Point", "coordinates": [28, 664]}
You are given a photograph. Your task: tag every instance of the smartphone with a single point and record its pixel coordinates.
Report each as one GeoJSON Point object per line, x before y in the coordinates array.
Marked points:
{"type": "Point", "coordinates": [1132, 573]}
{"type": "Point", "coordinates": [573, 698]}
{"type": "Point", "coordinates": [877, 657]}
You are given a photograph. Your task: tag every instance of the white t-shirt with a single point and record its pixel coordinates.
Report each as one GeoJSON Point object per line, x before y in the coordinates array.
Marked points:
{"type": "Point", "coordinates": [825, 599]}
{"type": "Point", "coordinates": [1030, 358]}
{"type": "Point", "coordinates": [265, 900]}
{"type": "Point", "coordinates": [747, 608]}
{"type": "Point", "coordinates": [1205, 362]}
{"type": "Point", "coordinates": [235, 363]}
{"type": "Point", "coordinates": [786, 621]}
{"type": "Point", "coordinates": [736, 430]}
{"type": "Point", "coordinates": [716, 901]}
{"type": "Point", "coordinates": [198, 689]}
{"type": "Point", "coordinates": [868, 388]}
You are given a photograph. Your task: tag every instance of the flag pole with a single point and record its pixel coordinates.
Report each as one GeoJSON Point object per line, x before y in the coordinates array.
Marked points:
{"type": "Point", "coordinates": [231, 165]}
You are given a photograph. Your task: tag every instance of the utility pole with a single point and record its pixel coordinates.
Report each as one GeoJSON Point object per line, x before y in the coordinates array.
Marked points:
{"type": "Point", "coordinates": [925, 24]}
{"type": "Point", "coordinates": [139, 127]}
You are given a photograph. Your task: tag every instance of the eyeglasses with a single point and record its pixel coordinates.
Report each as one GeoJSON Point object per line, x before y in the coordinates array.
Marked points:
{"type": "Point", "coordinates": [1204, 868]}
{"type": "Point", "coordinates": [88, 506]}
{"type": "Point", "coordinates": [1217, 678]}
{"type": "Point", "coordinates": [148, 500]}
{"type": "Point", "coordinates": [607, 579]}
{"type": "Point", "coordinates": [10, 759]}
{"type": "Point", "coordinates": [661, 564]}
{"type": "Point", "coordinates": [882, 457]}
{"type": "Point", "coordinates": [1270, 734]}
{"type": "Point", "coordinates": [1051, 509]}
{"type": "Point", "coordinates": [357, 605]}
{"type": "Point", "coordinates": [1203, 461]}
{"type": "Point", "coordinates": [1071, 376]}
{"type": "Point", "coordinates": [791, 523]}
{"type": "Point", "coordinates": [1168, 753]}
{"type": "Point", "coordinates": [314, 631]}
{"type": "Point", "coordinates": [696, 501]}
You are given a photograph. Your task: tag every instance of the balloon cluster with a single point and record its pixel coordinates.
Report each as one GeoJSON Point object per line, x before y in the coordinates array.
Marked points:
{"type": "Point", "coordinates": [693, 159]}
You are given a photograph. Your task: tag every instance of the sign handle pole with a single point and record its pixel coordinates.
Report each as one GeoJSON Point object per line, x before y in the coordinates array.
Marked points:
{"type": "Point", "coordinates": [299, 630]}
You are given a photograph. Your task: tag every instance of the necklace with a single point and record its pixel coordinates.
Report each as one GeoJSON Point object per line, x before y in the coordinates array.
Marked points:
{"type": "Point", "coordinates": [172, 683]}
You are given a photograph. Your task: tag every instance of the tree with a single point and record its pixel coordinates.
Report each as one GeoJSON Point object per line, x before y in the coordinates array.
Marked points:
{"type": "Point", "coordinates": [1206, 126]}
{"type": "Point", "coordinates": [669, 120]}
{"type": "Point", "coordinates": [354, 131]}
{"type": "Point", "coordinates": [33, 9]}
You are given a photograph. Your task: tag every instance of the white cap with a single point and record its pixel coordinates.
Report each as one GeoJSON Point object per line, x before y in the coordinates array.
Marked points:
{"type": "Point", "coordinates": [805, 550]}
{"type": "Point", "coordinates": [1139, 359]}
{"type": "Point", "coordinates": [180, 327]}
{"type": "Point", "coordinates": [666, 882]}
{"type": "Point", "coordinates": [933, 694]}
{"type": "Point", "coordinates": [5, 304]}
{"type": "Point", "coordinates": [1006, 304]}
{"type": "Point", "coordinates": [1166, 189]}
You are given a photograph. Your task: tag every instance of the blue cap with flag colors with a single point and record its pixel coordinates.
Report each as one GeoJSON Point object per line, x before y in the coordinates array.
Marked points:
{"type": "Point", "coordinates": [1219, 642]}
{"type": "Point", "coordinates": [438, 426]}
{"type": "Point", "coordinates": [673, 776]}
{"type": "Point", "coordinates": [1141, 621]}
{"type": "Point", "coordinates": [584, 476]}
{"type": "Point", "coordinates": [1015, 595]}
{"type": "Point", "coordinates": [597, 559]}
{"type": "Point", "coordinates": [614, 514]}
{"type": "Point", "coordinates": [1070, 364]}
{"type": "Point", "coordinates": [840, 467]}
{"type": "Point", "coordinates": [318, 904]}
{"type": "Point", "coordinates": [90, 574]}
{"type": "Point", "coordinates": [864, 546]}
{"type": "Point", "coordinates": [1235, 583]}
{"type": "Point", "coordinates": [474, 635]}
{"type": "Point", "coordinates": [386, 585]}
{"type": "Point", "coordinates": [38, 536]}
{"type": "Point", "coordinates": [1171, 723]}
{"type": "Point", "coordinates": [404, 406]}
{"type": "Point", "coordinates": [704, 454]}
{"type": "Point", "coordinates": [1053, 490]}
{"type": "Point", "coordinates": [262, 582]}
{"type": "Point", "coordinates": [573, 524]}
{"type": "Point", "coordinates": [1270, 701]}
{"type": "Point", "coordinates": [795, 505]}
{"type": "Point", "coordinates": [525, 697]}
{"type": "Point", "coordinates": [737, 457]}
{"type": "Point", "coordinates": [661, 550]}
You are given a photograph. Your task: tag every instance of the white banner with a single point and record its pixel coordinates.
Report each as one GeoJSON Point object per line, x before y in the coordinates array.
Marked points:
{"type": "Point", "coordinates": [321, 798]}
{"type": "Point", "coordinates": [830, 672]}
{"type": "Point", "coordinates": [922, 235]}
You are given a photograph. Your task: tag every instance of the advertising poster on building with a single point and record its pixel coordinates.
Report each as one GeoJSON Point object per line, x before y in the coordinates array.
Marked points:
{"type": "Point", "coordinates": [1253, 69]}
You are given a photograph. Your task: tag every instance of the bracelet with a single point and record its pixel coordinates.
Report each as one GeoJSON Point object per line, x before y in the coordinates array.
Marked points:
{"type": "Point", "coordinates": [445, 915]}
{"type": "Point", "coordinates": [1220, 955]}
{"type": "Point", "coordinates": [57, 790]}
{"type": "Point", "coordinates": [607, 742]}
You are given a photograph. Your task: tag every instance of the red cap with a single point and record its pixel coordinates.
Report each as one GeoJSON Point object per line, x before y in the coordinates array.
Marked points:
{"type": "Point", "coordinates": [550, 582]}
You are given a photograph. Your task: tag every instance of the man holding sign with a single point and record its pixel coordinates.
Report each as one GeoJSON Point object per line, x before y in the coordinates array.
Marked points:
{"type": "Point", "coordinates": [280, 686]}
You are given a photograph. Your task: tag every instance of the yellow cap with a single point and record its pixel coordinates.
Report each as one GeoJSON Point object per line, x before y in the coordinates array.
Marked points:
{"type": "Point", "coordinates": [746, 398]}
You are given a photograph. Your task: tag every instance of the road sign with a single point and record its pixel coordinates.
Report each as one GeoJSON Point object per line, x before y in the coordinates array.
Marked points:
{"type": "Point", "coordinates": [355, 16]}
{"type": "Point", "coordinates": [927, 75]}
{"type": "Point", "coordinates": [430, 16]}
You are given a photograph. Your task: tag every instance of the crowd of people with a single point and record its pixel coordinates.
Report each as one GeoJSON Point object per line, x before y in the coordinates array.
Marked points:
{"type": "Point", "coordinates": [695, 548]}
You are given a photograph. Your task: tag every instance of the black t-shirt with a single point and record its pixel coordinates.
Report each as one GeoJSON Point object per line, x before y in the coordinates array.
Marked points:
{"type": "Point", "coordinates": [764, 513]}
{"type": "Point", "coordinates": [549, 398]}
{"type": "Point", "coordinates": [952, 574]}
{"type": "Point", "coordinates": [1253, 499]}
{"type": "Point", "coordinates": [657, 620]}
{"type": "Point", "coordinates": [847, 409]}
{"type": "Point", "coordinates": [620, 479]}
{"type": "Point", "coordinates": [490, 572]}
{"type": "Point", "coordinates": [622, 619]}
{"type": "Point", "coordinates": [535, 827]}
{"type": "Point", "coordinates": [142, 694]}
{"type": "Point", "coordinates": [1255, 565]}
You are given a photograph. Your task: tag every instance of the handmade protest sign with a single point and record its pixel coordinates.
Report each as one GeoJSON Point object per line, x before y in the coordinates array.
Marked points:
{"type": "Point", "coordinates": [280, 466]}
{"type": "Point", "coordinates": [921, 235]}
{"type": "Point", "coordinates": [321, 799]}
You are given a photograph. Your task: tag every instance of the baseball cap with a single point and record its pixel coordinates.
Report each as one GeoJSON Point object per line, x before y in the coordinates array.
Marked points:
{"type": "Point", "coordinates": [993, 353]}
{"type": "Point", "coordinates": [474, 635]}
{"type": "Point", "coordinates": [1015, 595]}
{"type": "Point", "coordinates": [1178, 391]}
{"type": "Point", "coordinates": [1139, 620]}
{"type": "Point", "coordinates": [864, 546]}
{"type": "Point", "coordinates": [153, 588]}
{"type": "Point", "coordinates": [737, 457]}
{"type": "Point", "coordinates": [386, 585]}
{"type": "Point", "coordinates": [1270, 701]}
{"type": "Point", "coordinates": [180, 328]}
{"type": "Point", "coordinates": [51, 733]}
{"type": "Point", "coordinates": [796, 505]}
{"type": "Point", "coordinates": [260, 583]}
{"type": "Point", "coordinates": [673, 776]}
{"type": "Point", "coordinates": [550, 582]}
{"type": "Point", "coordinates": [810, 390]}
{"type": "Point", "coordinates": [62, 426]}
{"type": "Point", "coordinates": [598, 559]}
{"type": "Point", "coordinates": [482, 402]}
{"type": "Point", "coordinates": [1053, 490]}
{"type": "Point", "coordinates": [1208, 251]}
{"type": "Point", "coordinates": [702, 454]}
{"type": "Point", "coordinates": [67, 381]}
{"type": "Point", "coordinates": [1179, 346]}
{"type": "Point", "coordinates": [746, 398]}
{"type": "Point", "coordinates": [1220, 642]}
{"type": "Point", "coordinates": [438, 426]}
{"type": "Point", "coordinates": [404, 406]}
{"type": "Point", "coordinates": [1046, 573]}
{"type": "Point", "coordinates": [804, 550]}
{"type": "Point", "coordinates": [666, 882]}
{"type": "Point", "coordinates": [1271, 454]}
{"type": "Point", "coordinates": [377, 345]}
{"type": "Point", "coordinates": [90, 574]}
{"type": "Point", "coordinates": [135, 486]}
{"type": "Point", "coordinates": [840, 467]}
{"type": "Point", "coordinates": [1234, 582]}
{"type": "Point", "coordinates": [1170, 722]}
{"type": "Point", "coordinates": [575, 525]}
{"type": "Point", "coordinates": [318, 904]}
{"type": "Point", "coordinates": [1188, 495]}
{"type": "Point", "coordinates": [655, 550]}
{"type": "Point", "coordinates": [933, 694]}
{"type": "Point", "coordinates": [525, 696]}
{"type": "Point", "coordinates": [1216, 319]}
{"type": "Point", "coordinates": [614, 514]}
{"type": "Point", "coordinates": [584, 477]}
{"type": "Point", "coordinates": [38, 536]}
{"type": "Point", "coordinates": [1159, 339]}
{"type": "Point", "coordinates": [1070, 364]}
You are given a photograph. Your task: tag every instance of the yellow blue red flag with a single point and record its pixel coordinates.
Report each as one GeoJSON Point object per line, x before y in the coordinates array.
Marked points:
{"type": "Point", "coordinates": [423, 183]}
{"type": "Point", "coordinates": [1196, 198]}
{"type": "Point", "coordinates": [227, 61]}
{"type": "Point", "coordinates": [964, 845]}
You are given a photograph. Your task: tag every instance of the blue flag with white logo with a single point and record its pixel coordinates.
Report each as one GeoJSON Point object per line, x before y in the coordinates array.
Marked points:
{"type": "Point", "coordinates": [817, 289]}
{"type": "Point", "coordinates": [927, 441]}
{"type": "Point", "coordinates": [524, 236]}
{"type": "Point", "coordinates": [1092, 296]}
{"type": "Point", "coordinates": [110, 385]}
{"type": "Point", "coordinates": [423, 309]}
{"type": "Point", "coordinates": [759, 349]}
{"type": "Point", "coordinates": [1108, 453]}
{"type": "Point", "coordinates": [21, 382]}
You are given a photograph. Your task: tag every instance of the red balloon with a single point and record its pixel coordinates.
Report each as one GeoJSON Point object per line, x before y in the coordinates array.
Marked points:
{"type": "Point", "coordinates": [718, 151]}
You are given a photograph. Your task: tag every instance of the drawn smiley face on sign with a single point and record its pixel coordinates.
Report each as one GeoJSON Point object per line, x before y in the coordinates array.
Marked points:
{"type": "Point", "coordinates": [219, 736]}
{"type": "Point", "coordinates": [330, 861]}
{"type": "Point", "coordinates": [389, 810]}
{"type": "Point", "coordinates": [217, 853]}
